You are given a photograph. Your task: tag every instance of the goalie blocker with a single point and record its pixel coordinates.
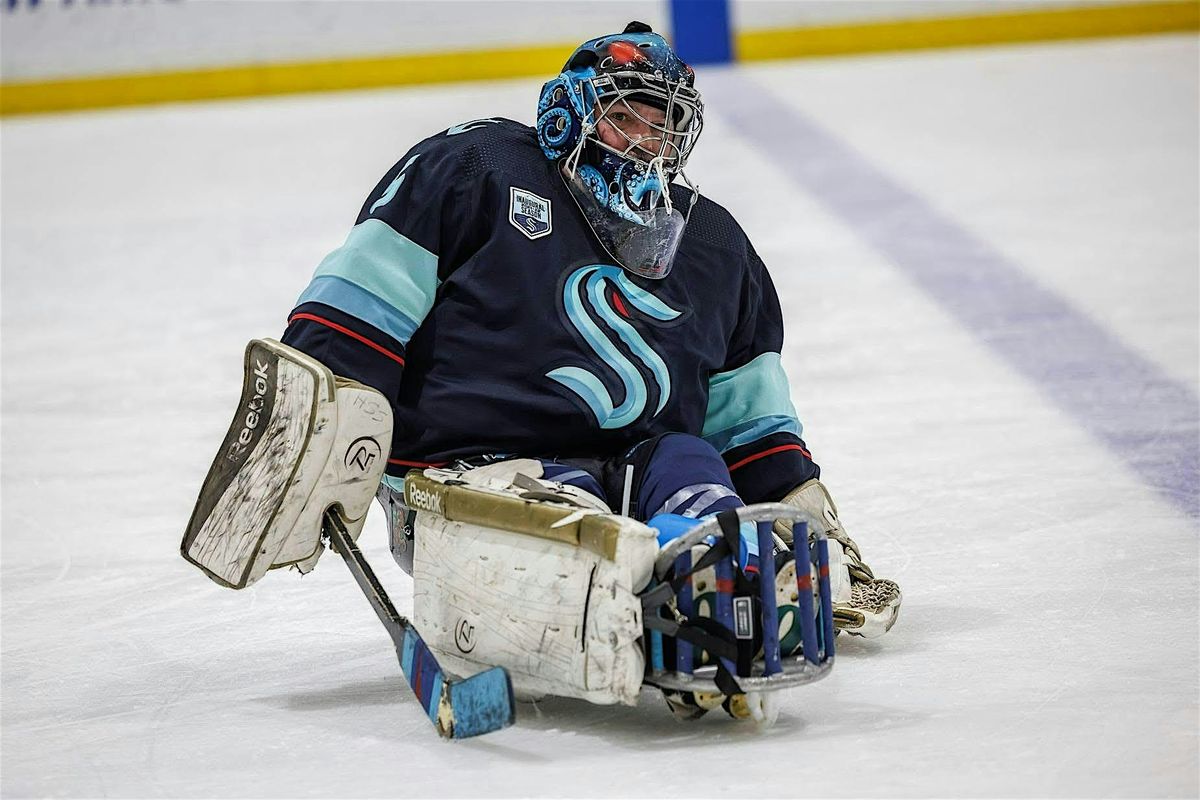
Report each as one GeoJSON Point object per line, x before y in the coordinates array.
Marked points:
{"type": "Point", "coordinates": [302, 441]}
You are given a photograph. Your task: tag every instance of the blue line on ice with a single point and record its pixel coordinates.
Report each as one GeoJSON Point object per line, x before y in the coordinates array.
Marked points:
{"type": "Point", "coordinates": [1127, 403]}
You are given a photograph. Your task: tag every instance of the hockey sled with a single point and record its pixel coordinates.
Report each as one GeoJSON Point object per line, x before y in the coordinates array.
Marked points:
{"type": "Point", "coordinates": [668, 605]}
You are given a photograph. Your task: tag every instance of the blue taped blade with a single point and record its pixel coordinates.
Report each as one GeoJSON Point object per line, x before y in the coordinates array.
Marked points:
{"type": "Point", "coordinates": [482, 703]}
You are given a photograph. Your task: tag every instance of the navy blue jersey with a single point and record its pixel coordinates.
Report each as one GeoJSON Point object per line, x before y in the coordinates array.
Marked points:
{"type": "Point", "coordinates": [473, 294]}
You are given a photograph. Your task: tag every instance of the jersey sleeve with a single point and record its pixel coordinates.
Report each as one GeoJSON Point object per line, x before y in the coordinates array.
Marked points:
{"type": "Point", "coordinates": [368, 297]}
{"type": "Point", "coordinates": [750, 418]}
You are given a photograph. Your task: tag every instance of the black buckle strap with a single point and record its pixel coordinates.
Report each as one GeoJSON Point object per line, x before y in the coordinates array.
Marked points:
{"type": "Point", "coordinates": [705, 633]}
{"type": "Point", "coordinates": [708, 635]}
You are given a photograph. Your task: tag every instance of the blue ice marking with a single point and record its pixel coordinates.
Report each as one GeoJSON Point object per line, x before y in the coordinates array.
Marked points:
{"type": "Point", "coordinates": [1124, 401]}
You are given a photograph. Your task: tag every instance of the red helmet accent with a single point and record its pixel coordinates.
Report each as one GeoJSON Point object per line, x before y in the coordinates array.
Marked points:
{"type": "Point", "coordinates": [623, 52]}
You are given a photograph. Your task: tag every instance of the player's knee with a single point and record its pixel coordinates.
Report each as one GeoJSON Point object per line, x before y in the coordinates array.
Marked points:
{"type": "Point", "coordinates": [685, 475]}
{"type": "Point", "coordinates": [685, 445]}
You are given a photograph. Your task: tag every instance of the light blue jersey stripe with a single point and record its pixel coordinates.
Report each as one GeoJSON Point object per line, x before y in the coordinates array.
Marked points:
{"type": "Point", "coordinates": [748, 403]}
{"type": "Point", "coordinates": [751, 431]}
{"type": "Point", "coordinates": [391, 270]}
{"type": "Point", "coordinates": [361, 304]}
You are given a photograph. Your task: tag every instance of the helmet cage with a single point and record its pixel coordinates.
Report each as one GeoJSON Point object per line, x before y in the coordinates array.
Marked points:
{"type": "Point", "coordinates": [676, 134]}
{"type": "Point", "coordinates": [593, 97]}
{"type": "Point", "coordinates": [623, 188]}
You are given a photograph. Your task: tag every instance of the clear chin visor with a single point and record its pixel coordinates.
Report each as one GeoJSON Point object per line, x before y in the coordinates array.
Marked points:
{"type": "Point", "coordinates": [645, 247]}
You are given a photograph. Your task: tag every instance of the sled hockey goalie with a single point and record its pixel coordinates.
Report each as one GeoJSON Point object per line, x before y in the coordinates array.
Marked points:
{"type": "Point", "coordinates": [559, 369]}
{"type": "Point", "coordinates": [536, 577]}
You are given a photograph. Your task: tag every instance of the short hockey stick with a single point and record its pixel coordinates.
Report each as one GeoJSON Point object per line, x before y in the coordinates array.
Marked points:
{"type": "Point", "coordinates": [459, 708]}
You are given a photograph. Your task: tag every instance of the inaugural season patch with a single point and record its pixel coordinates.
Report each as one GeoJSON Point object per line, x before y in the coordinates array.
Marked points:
{"type": "Point", "coordinates": [529, 213]}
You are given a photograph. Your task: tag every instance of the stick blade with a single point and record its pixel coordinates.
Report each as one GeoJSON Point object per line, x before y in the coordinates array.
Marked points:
{"type": "Point", "coordinates": [481, 703]}
{"type": "Point", "coordinates": [459, 708]}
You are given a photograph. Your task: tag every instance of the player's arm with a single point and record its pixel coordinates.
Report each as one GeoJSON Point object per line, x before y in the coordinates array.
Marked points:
{"type": "Point", "coordinates": [368, 297]}
{"type": "Point", "coordinates": [750, 418]}
{"type": "Point", "coordinates": [314, 426]}
{"type": "Point", "coordinates": [752, 422]}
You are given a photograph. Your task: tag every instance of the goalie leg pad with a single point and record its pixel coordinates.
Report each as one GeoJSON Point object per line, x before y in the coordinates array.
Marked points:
{"type": "Point", "coordinates": [521, 575]}
{"type": "Point", "coordinates": [562, 620]}
{"type": "Point", "coordinates": [300, 442]}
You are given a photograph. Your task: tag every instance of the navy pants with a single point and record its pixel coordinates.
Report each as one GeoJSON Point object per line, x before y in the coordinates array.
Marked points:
{"type": "Point", "coordinates": [675, 473]}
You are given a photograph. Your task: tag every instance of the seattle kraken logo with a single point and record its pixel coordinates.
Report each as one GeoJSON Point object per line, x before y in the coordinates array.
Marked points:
{"type": "Point", "coordinates": [593, 279]}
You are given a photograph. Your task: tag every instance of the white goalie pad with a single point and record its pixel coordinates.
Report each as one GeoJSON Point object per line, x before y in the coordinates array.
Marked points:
{"type": "Point", "coordinates": [302, 441]}
{"type": "Point", "coordinates": [514, 572]}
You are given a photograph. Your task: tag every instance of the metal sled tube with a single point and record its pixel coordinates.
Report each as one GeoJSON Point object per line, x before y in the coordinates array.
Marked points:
{"type": "Point", "coordinates": [796, 671]}
{"type": "Point", "coordinates": [760, 512]}
{"type": "Point", "coordinates": [770, 611]}
{"type": "Point", "coordinates": [683, 601]}
{"type": "Point", "coordinates": [812, 664]}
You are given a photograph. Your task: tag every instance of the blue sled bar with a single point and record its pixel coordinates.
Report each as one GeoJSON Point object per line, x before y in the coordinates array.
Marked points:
{"type": "Point", "coordinates": [683, 599]}
{"type": "Point", "coordinates": [804, 587]}
{"type": "Point", "coordinates": [770, 610]}
{"type": "Point", "coordinates": [724, 569]}
{"type": "Point", "coordinates": [826, 595]}
{"type": "Point", "coordinates": [773, 670]}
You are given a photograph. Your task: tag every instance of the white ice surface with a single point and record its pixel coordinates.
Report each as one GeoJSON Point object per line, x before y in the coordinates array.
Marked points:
{"type": "Point", "coordinates": [1048, 643]}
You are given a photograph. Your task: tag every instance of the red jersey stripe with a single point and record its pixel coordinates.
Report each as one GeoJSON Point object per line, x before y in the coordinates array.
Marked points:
{"type": "Point", "coordinates": [402, 463]}
{"type": "Point", "coordinates": [766, 453]}
{"type": "Point", "coordinates": [356, 336]}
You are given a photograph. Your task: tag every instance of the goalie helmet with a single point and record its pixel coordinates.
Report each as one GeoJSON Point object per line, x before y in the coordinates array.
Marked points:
{"type": "Point", "coordinates": [632, 89]}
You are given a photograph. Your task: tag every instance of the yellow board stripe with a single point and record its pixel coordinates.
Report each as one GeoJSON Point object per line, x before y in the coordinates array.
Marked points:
{"type": "Point", "coordinates": [753, 45]}
{"type": "Point", "coordinates": [980, 29]}
{"type": "Point", "coordinates": [268, 79]}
